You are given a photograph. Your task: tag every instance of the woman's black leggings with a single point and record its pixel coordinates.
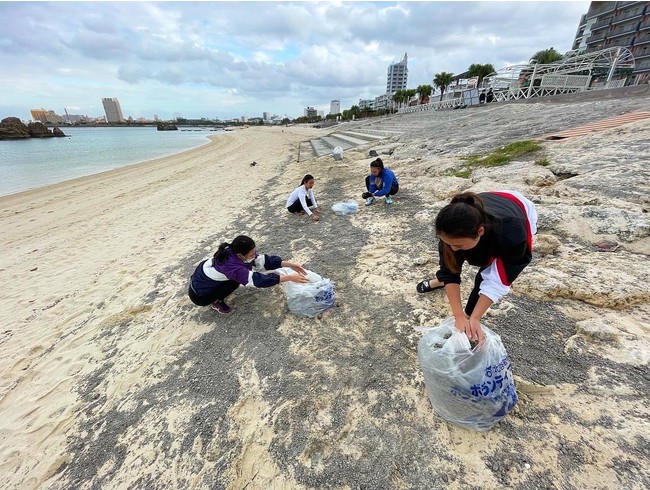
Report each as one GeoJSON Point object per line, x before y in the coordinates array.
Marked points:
{"type": "Point", "coordinates": [296, 207]}
{"type": "Point", "coordinates": [222, 291]}
{"type": "Point", "coordinates": [393, 188]}
{"type": "Point", "coordinates": [474, 295]}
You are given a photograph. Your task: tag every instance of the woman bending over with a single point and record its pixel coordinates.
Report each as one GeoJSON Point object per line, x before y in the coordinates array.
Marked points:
{"type": "Point", "coordinates": [492, 230]}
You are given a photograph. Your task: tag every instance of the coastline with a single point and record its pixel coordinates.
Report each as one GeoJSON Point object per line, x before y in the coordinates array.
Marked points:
{"type": "Point", "coordinates": [116, 163]}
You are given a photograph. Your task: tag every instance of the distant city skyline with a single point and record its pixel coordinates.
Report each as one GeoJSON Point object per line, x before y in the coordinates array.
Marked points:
{"type": "Point", "coordinates": [224, 60]}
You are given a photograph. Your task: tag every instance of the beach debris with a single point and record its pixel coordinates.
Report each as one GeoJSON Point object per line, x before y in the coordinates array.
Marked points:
{"type": "Point", "coordinates": [607, 246]}
{"type": "Point", "coordinates": [253, 163]}
{"type": "Point", "coordinates": [372, 153]}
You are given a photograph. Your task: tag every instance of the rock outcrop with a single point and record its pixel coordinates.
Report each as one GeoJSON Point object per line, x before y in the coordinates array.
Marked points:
{"type": "Point", "coordinates": [166, 127]}
{"type": "Point", "coordinates": [12, 128]}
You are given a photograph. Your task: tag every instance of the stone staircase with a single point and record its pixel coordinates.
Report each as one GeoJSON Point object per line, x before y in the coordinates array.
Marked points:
{"type": "Point", "coordinates": [350, 136]}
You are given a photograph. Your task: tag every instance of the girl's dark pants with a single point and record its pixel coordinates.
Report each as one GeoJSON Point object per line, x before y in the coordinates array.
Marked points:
{"type": "Point", "coordinates": [393, 188]}
{"type": "Point", "coordinates": [223, 290]}
{"type": "Point", "coordinates": [296, 207]}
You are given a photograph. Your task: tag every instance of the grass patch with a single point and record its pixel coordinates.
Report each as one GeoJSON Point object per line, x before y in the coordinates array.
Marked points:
{"type": "Point", "coordinates": [543, 161]}
{"type": "Point", "coordinates": [463, 173]}
{"type": "Point", "coordinates": [504, 155]}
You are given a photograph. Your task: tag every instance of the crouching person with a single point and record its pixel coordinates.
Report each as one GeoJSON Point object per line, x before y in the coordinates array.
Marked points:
{"type": "Point", "coordinates": [380, 183]}
{"type": "Point", "coordinates": [237, 264]}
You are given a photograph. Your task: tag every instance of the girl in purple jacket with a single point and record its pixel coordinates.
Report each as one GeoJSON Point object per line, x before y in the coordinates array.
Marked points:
{"type": "Point", "coordinates": [237, 264]}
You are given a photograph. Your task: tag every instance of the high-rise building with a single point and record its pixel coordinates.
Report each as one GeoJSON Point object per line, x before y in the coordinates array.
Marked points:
{"type": "Point", "coordinates": [113, 110]}
{"type": "Point", "coordinates": [311, 112]}
{"type": "Point", "coordinates": [397, 76]}
{"type": "Point", "coordinates": [335, 106]}
{"type": "Point", "coordinates": [612, 24]}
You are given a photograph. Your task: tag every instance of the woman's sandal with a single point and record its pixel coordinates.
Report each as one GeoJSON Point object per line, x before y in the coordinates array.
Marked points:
{"type": "Point", "coordinates": [423, 287]}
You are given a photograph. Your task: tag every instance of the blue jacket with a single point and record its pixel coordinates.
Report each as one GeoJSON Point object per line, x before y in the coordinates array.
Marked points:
{"type": "Point", "coordinates": [386, 179]}
{"type": "Point", "coordinates": [209, 273]}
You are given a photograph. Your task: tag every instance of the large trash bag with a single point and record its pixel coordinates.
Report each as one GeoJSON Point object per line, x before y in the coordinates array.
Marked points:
{"type": "Point", "coordinates": [345, 207]}
{"type": "Point", "coordinates": [473, 388]}
{"type": "Point", "coordinates": [308, 299]}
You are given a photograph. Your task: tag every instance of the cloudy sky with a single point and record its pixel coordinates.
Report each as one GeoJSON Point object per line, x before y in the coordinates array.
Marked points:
{"type": "Point", "coordinates": [228, 59]}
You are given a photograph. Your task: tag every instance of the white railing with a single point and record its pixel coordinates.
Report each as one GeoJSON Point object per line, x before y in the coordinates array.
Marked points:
{"type": "Point", "coordinates": [566, 81]}
{"type": "Point", "coordinates": [440, 104]}
{"type": "Point", "coordinates": [610, 84]}
{"type": "Point", "coordinates": [550, 85]}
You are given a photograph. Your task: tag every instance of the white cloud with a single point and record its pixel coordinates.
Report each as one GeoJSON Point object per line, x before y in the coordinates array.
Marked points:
{"type": "Point", "coordinates": [235, 58]}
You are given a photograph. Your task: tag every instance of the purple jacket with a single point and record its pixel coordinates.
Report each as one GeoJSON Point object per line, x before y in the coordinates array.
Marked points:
{"type": "Point", "coordinates": [209, 273]}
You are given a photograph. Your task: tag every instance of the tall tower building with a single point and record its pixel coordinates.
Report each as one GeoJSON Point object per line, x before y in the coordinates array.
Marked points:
{"type": "Point", "coordinates": [397, 76]}
{"type": "Point", "coordinates": [335, 106]}
{"type": "Point", "coordinates": [113, 110]}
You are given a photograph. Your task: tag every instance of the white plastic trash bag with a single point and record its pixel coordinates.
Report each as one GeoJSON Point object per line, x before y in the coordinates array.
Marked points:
{"type": "Point", "coordinates": [337, 153]}
{"type": "Point", "coordinates": [345, 207]}
{"type": "Point", "coordinates": [469, 387]}
{"type": "Point", "coordinates": [308, 299]}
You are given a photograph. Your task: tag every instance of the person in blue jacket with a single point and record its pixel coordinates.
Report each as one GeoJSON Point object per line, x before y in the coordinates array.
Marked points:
{"type": "Point", "coordinates": [237, 264]}
{"type": "Point", "coordinates": [380, 183]}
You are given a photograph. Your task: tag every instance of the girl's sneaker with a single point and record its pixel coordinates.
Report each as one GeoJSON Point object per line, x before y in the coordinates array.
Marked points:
{"type": "Point", "coordinates": [389, 200]}
{"type": "Point", "coordinates": [221, 307]}
{"type": "Point", "coordinates": [370, 201]}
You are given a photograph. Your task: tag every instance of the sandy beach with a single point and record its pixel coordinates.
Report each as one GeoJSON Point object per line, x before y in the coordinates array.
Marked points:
{"type": "Point", "coordinates": [112, 378]}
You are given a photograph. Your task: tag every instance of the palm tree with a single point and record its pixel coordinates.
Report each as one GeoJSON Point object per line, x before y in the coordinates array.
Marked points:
{"type": "Point", "coordinates": [442, 80]}
{"type": "Point", "coordinates": [546, 56]}
{"type": "Point", "coordinates": [424, 91]}
{"type": "Point", "coordinates": [479, 71]}
{"type": "Point", "coordinates": [409, 93]}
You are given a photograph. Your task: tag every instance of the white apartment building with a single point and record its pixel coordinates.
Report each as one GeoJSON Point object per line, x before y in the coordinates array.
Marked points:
{"type": "Point", "coordinates": [335, 106]}
{"type": "Point", "coordinates": [397, 76]}
{"type": "Point", "coordinates": [113, 110]}
{"type": "Point", "coordinates": [311, 112]}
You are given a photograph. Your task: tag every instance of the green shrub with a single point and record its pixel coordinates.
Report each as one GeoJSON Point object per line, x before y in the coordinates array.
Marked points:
{"type": "Point", "coordinates": [504, 155]}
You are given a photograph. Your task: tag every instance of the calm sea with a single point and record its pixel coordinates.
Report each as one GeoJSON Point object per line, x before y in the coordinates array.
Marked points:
{"type": "Point", "coordinates": [35, 162]}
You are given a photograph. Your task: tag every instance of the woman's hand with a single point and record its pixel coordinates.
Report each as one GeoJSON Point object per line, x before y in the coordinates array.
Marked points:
{"type": "Point", "coordinates": [315, 217]}
{"type": "Point", "coordinates": [293, 278]}
{"type": "Point", "coordinates": [296, 267]}
{"type": "Point", "coordinates": [470, 327]}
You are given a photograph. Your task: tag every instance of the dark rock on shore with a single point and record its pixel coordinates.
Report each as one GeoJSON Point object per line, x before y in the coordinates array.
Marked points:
{"type": "Point", "coordinates": [167, 127]}
{"type": "Point", "coordinates": [12, 128]}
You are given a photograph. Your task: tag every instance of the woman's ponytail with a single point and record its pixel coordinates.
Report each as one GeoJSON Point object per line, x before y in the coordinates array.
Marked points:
{"type": "Point", "coordinates": [221, 255]}
{"type": "Point", "coordinates": [306, 179]}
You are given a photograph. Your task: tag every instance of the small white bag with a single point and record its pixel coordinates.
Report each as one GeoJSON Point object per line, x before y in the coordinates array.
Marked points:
{"type": "Point", "coordinates": [345, 207]}
{"type": "Point", "coordinates": [473, 388]}
{"type": "Point", "coordinates": [308, 299]}
{"type": "Point", "coordinates": [337, 153]}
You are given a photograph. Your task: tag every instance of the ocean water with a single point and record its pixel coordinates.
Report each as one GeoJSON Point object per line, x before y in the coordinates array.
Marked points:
{"type": "Point", "coordinates": [35, 162]}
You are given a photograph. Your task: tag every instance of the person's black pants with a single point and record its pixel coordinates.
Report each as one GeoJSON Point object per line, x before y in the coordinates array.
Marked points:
{"type": "Point", "coordinates": [474, 295]}
{"type": "Point", "coordinates": [223, 290]}
{"type": "Point", "coordinates": [296, 207]}
{"type": "Point", "coordinates": [393, 188]}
